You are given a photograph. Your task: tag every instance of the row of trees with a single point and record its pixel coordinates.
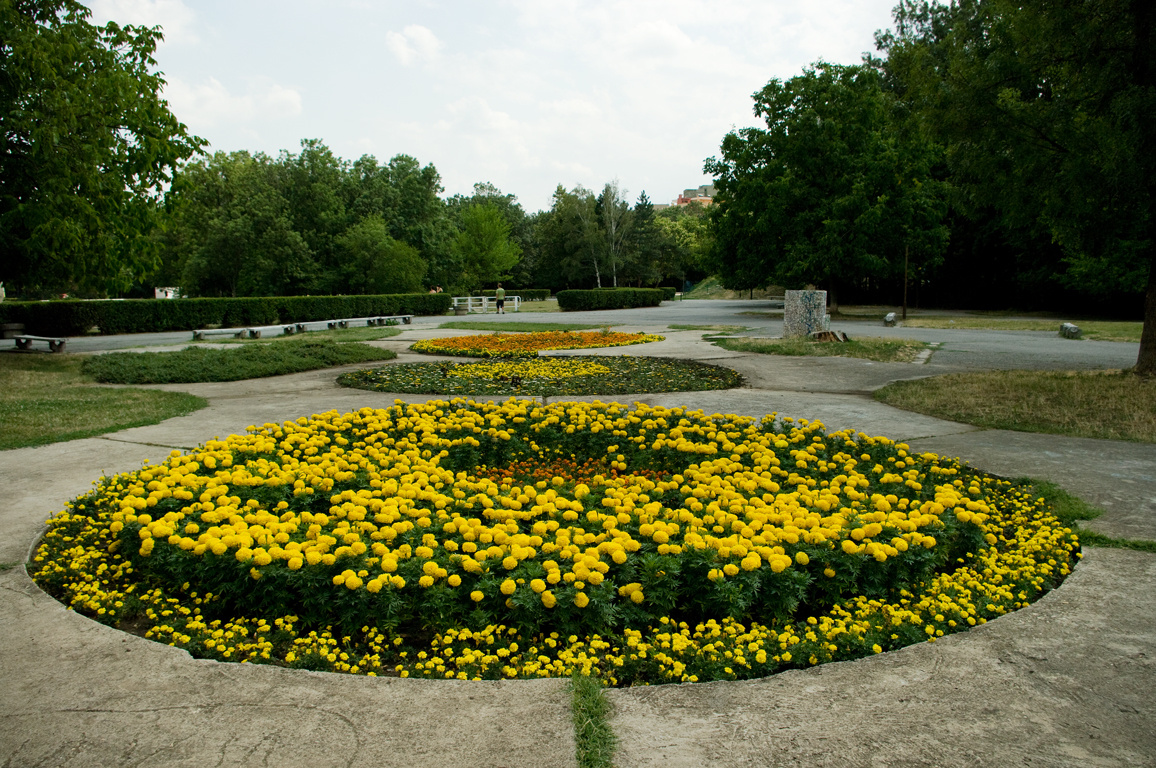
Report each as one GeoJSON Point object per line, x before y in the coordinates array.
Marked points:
{"type": "Point", "coordinates": [999, 149]}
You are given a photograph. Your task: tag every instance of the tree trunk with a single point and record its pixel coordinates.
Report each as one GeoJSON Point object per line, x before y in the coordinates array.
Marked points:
{"type": "Point", "coordinates": [1146, 361]}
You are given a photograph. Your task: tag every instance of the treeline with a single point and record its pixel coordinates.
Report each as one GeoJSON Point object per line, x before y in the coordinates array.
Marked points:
{"type": "Point", "coordinates": [240, 224]}
{"type": "Point", "coordinates": [996, 154]}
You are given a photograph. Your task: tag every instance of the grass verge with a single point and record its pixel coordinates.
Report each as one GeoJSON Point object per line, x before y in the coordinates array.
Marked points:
{"type": "Point", "coordinates": [879, 350]}
{"type": "Point", "coordinates": [1097, 330]}
{"type": "Point", "coordinates": [46, 399]}
{"type": "Point", "coordinates": [513, 326]}
{"type": "Point", "coordinates": [716, 328]}
{"type": "Point", "coordinates": [1070, 510]}
{"type": "Point", "coordinates": [711, 288]}
{"type": "Point", "coordinates": [340, 335]}
{"type": "Point", "coordinates": [198, 364]}
{"type": "Point", "coordinates": [1110, 405]}
{"type": "Point", "coordinates": [594, 739]}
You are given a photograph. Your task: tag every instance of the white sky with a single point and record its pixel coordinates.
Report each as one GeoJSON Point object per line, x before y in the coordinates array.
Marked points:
{"type": "Point", "coordinates": [526, 94]}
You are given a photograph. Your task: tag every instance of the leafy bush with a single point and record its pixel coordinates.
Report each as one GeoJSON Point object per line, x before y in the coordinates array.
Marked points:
{"type": "Point", "coordinates": [251, 361]}
{"type": "Point", "coordinates": [609, 298]}
{"type": "Point", "coordinates": [75, 318]}
{"type": "Point", "coordinates": [668, 292]}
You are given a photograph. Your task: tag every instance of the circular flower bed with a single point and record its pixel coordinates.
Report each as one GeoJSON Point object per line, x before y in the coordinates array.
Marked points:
{"type": "Point", "coordinates": [582, 375]}
{"type": "Point", "coordinates": [529, 344]}
{"type": "Point", "coordinates": [471, 540]}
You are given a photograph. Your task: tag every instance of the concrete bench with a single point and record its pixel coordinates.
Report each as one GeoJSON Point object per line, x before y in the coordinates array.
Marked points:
{"type": "Point", "coordinates": [55, 344]}
{"type": "Point", "coordinates": [255, 332]}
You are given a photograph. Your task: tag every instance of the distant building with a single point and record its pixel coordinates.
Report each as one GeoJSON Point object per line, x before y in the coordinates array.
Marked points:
{"type": "Point", "coordinates": [703, 195]}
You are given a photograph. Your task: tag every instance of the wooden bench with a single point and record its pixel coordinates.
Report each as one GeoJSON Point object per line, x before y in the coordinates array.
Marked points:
{"type": "Point", "coordinates": [54, 344]}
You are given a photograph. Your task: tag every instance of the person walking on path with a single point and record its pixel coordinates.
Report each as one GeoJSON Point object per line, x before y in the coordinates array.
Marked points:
{"type": "Point", "coordinates": [500, 299]}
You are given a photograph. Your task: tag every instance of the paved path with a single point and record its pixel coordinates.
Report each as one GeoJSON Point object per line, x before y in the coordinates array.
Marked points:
{"type": "Point", "coordinates": [1067, 681]}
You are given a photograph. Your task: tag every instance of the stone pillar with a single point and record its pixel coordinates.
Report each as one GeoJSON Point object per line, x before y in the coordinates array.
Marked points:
{"type": "Point", "coordinates": [805, 312]}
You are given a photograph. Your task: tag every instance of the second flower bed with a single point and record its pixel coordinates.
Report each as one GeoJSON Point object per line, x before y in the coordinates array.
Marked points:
{"type": "Point", "coordinates": [529, 344]}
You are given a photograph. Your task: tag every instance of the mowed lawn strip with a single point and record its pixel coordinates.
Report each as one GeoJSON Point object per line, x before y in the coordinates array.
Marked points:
{"type": "Point", "coordinates": [45, 399]}
{"type": "Point", "coordinates": [866, 348]}
{"type": "Point", "coordinates": [1109, 405]}
{"type": "Point", "coordinates": [1096, 330]}
{"type": "Point", "coordinates": [340, 335]}
{"type": "Point", "coordinates": [514, 326]}
{"type": "Point", "coordinates": [198, 364]}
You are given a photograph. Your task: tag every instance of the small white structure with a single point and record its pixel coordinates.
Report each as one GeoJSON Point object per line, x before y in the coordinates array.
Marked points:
{"type": "Point", "coordinates": [166, 293]}
{"type": "Point", "coordinates": [484, 303]}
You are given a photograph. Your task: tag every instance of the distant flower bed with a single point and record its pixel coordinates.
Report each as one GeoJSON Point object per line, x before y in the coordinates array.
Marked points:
{"type": "Point", "coordinates": [585, 375]}
{"type": "Point", "coordinates": [454, 539]}
{"type": "Point", "coordinates": [529, 344]}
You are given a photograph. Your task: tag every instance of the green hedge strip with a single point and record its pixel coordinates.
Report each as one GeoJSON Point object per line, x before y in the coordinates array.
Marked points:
{"type": "Point", "coordinates": [75, 318]}
{"type": "Point", "coordinates": [609, 298]}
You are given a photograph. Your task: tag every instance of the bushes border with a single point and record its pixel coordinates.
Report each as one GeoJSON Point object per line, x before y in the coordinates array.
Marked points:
{"type": "Point", "coordinates": [609, 298]}
{"type": "Point", "coordinates": [75, 318]}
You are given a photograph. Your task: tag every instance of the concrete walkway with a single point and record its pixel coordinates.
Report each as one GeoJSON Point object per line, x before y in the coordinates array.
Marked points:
{"type": "Point", "coordinates": [1067, 681]}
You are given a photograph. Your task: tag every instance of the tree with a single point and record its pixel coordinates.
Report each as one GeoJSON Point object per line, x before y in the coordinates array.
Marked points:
{"type": "Point", "coordinates": [373, 262]}
{"type": "Point", "coordinates": [483, 249]}
{"type": "Point", "coordinates": [613, 217]}
{"type": "Point", "coordinates": [1048, 108]}
{"type": "Point", "coordinates": [835, 190]}
{"type": "Point", "coordinates": [89, 144]}
{"type": "Point", "coordinates": [569, 240]}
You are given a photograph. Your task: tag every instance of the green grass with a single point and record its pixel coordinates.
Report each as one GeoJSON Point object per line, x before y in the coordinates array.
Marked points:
{"type": "Point", "coordinates": [716, 328]}
{"type": "Point", "coordinates": [513, 326]}
{"type": "Point", "coordinates": [339, 335]}
{"type": "Point", "coordinates": [46, 399]}
{"type": "Point", "coordinates": [1070, 510]}
{"type": "Point", "coordinates": [711, 288]}
{"type": "Point", "coordinates": [1097, 330]}
{"type": "Point", "coordinates": [594, 739]}
{"type": "Point", "coordinates": [1109, 405]}
{"type": "Point", "coordinates": [627, 375]}
{"type": "Point", "coordinates": [199, 364]}
{"type": "Point", "coordinates": [879, 350]}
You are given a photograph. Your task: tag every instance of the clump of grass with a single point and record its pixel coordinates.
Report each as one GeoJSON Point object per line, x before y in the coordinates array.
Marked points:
{"type": "Point", "coordinates": [1112, 405]}
{"type": "Point", "coordinates": [339, 335]}
{"type": "Point", "coordinates": [45, 399]}
{"type": "Point", "coordinates": [712, 288]}
{"type": "Point", "coordinates": [717, 328]}
{"type": "Point", "coordinates": [513, 326]}
{"type": "Point", "coordinates": [199, 364]}
{"type": "Point", "coordinates": [1070, 510]}
{"type": "Point", "coordinates": [879, 350]}
{"type": "Point", "coordinates": [594, 739]}
{"type": "Point", "coordinates": [1098, 330]}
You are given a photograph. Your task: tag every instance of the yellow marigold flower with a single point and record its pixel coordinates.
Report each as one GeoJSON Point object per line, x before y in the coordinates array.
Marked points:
{"type": "Point", "coordinates": [548, 599]}
{"type": "Point", "coordinates": [730, 569]}
{"type": "Point", "coordinates": [510, 563]}
{"type": "Point", "coordinates": [477, 596]}
{"type": "Point", "coordinates": [426, 581]}
{"type": "Point", "coordinates": [538, 586]}
{"type": "Point", "coordinates": [581, 600]}
{"type": "Point", "coordinates": [454, 581]}
{"type": "Point", "coordinates": [508, 587]}
{"type": "Point", "coordinates": [802, 558]}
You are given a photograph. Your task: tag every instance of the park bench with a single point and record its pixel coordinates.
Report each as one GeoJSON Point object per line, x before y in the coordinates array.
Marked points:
{"type": "Point", "coordinates": [255, 332]}
{"type": "Point", "coordinates": [54, 343]}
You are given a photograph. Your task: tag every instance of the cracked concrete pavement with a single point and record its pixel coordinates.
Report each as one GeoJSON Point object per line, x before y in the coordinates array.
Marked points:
{"type": "Point", "coordinates": [1066, 681]}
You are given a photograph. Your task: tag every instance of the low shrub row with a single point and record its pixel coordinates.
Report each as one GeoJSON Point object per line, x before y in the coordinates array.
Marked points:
{"type": "Point", "coordinates": [75, 318]}
{"type": "Point", "coordinates": [526, 294]}
{"type": "Point", "coordinates": [609, 298]}
{"type": "Point", "coordinates": [668, 292]}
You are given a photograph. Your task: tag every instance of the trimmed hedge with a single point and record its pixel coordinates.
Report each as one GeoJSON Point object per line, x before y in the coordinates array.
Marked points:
{"type": "Point", "coordinates": [609, 298]}
{"type": "Point", "coordinates": [74, 318]}
{"type": "Point", "coordinates": [668, 293]}
{"type": "Point", "coordinates": [527, 294]}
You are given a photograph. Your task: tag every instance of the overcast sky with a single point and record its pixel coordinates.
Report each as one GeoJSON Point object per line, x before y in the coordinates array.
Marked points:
{"type": "Point", "coordinates": [526, 94]}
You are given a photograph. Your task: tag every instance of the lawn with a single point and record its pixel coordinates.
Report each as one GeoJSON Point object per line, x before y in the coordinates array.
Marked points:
{"type": "Point", "coordinates": [866, 348]}
{"type": "Point", "coordinates": [1111, 405]}
{"type": "Point", "coordinates": [44, 399]}
{"type": "Point", "coordinates": [514, 326]}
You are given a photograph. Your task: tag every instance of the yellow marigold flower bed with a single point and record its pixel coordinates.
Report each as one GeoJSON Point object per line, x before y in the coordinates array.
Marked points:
{"type": "Point", "coordinates": [529, 344]}
{"type": "Point", "coordinates": [513, 540]}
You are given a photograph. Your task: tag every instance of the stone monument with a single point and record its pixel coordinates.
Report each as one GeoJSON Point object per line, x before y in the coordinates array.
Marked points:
{"type": "Point", "coordinates": [805, 312]}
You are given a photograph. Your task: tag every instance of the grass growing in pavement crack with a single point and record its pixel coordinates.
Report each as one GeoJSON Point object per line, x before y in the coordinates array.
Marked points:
{"type": "Point", "coordinates": [592, 735]}
{"type": "Point", "coordinates": [1071, 510]}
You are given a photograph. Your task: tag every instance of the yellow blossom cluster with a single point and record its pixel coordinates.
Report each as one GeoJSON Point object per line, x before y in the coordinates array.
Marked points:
{"type": "Point", "coordinates": [537, 368]}
{"type": "Point", "coordinates": [340, 541]}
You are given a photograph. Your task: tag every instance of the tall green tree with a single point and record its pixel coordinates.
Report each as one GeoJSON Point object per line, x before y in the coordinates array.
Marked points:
{"type": "Point", "coordinates": [1048, 109]}
{"type": "Point", "coordinates": [484, 251]}
{"type": "Point", "coordinates": [570, 241]}
{"type": "Point", "coordinates": [614, 218]}
{"type": "Point", "coordinates": [835, 189]}
{"type": "Point", "coordinates": [373, 262]}
{"type": "Point", "coordinates": [88, 146]}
